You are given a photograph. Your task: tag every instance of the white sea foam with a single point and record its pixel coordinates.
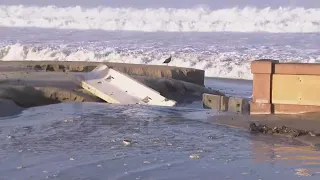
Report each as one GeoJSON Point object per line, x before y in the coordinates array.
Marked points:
{"type": "Point", "coordinates": [221, 64]}
{"type": "Point", "coordinates": [248, 19]}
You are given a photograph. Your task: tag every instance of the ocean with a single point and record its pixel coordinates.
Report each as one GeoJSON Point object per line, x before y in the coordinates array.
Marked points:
{"type": "Point", "coordinates": [221, 38]}
{"type": "Point", "coordinates": [85, 140]}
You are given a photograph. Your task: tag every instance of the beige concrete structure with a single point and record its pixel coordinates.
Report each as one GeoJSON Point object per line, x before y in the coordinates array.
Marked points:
{"type": "Point", "coordinates": [225, 103]}
{"type": "Point", "coordinates": [238, 105]}
{"type": "Point", "coordinates": [216, 102]}
{"type": "Point", "coordinates": [195, 76]}
{"type": "Point", "coordinates": [285, 88]}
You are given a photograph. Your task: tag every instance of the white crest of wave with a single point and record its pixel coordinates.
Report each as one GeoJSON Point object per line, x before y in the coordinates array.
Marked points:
{"type": "Point", "coordinates": [224, 64]}
{"type": "Point", "coordinates": [248, 19]}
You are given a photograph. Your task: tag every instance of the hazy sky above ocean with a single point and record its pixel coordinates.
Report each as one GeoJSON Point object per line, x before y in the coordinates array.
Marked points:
{"type": "Point", "coordinates": [213, 4]}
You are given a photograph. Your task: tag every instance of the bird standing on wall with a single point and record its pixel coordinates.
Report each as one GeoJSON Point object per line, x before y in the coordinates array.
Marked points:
{"type": "Point", "coordinates": [109, 77]}
{"type": "Point", "coordinates": [167, 61]}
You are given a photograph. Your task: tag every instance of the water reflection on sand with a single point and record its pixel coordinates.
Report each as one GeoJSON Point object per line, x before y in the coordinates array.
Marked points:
{"type": "Point", "coordinates": [85, 141]}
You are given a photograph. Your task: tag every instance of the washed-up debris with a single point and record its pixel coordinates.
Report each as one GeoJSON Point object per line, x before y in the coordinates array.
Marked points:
{"type": "Point", "coordinates": [10, 137]}
{"type": "Point", "coordinates": [313, 134]}
{"type": "Point", "coordinates": [126, 142]}
{"type": "Point", "coordinates": [195, 156]}
{"type": "Point", "coordinates": [257, 128]}
{"type": "Point", "coordinates": [98, 82]}
{"type": "Point", "coordinates": [303, 172]}
{"type": "Point", "coordinates": [68, 120]}
{"type": "Point", "coordinates": [28, 128]}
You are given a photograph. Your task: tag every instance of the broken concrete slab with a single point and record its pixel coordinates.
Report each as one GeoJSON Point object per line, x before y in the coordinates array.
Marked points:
{"type": "Point", "coordinates": [117, 88]}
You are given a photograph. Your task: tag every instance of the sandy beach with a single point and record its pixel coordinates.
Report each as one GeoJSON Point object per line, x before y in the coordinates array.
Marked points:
{"type": "Point", "coordinates": [24, 86]}
{"type": "Point", "coordinates": [52, 128]}
{"type": "Point", "coordinates": [46, 116]}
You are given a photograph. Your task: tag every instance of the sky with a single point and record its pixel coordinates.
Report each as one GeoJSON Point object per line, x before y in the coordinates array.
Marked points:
{"type": "Point", "coordinates": [213, 4]}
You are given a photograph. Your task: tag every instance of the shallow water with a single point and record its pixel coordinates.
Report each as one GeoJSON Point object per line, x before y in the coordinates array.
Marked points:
{"type": "Point", "coordinates": [85, 141]}
{"type": "Point", "coordinates": [230, 87]}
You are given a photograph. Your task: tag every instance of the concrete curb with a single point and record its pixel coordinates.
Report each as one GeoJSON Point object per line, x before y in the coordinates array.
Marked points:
{"type": "Point", "coordinates": [226, 103]}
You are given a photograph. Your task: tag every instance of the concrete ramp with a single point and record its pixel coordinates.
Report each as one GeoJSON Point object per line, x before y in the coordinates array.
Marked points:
{"type": "Point", "coordinates": [115, 87]}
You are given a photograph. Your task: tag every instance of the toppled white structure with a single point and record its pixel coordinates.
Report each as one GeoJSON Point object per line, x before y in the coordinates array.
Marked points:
{"type": "Point", "coordinates": [115, 87]}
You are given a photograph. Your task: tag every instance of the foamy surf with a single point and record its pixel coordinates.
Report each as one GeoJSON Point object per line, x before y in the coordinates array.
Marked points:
{"type": "Point", "coordinates": [222, 64]}
{"type": "Point", "coordinates": [248, 19]}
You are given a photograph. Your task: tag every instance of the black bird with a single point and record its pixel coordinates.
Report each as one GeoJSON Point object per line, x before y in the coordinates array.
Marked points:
{"type": "Point", "coordinates": [167, 60]}
{"type": "Point", "coordinates": [109, 78]}
{"type": "Point", "coordinates": [146, 99]}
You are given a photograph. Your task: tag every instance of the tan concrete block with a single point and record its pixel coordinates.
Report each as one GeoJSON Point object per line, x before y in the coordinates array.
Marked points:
{"type": "Point", "coordinates": [224, 103]}
{"type": "Point", "coordinates": [260, 108]}
{"type": "Point", "coordinates": [297, 68]}
{"type": "Point", "coordinates": [216, 102]}
{"type": "Point", "coordinates": [263, 66]}
{"type": "Point", "coordinates": [238, 105]}
{"type": "Point", "coordinates": [296, 89]}
{"type": "Point", "coordinates": [294, 109]}
{"type": "Point", "coordinates": [211, 101]}
{"type": "Point", "coordinates": [261, 88]}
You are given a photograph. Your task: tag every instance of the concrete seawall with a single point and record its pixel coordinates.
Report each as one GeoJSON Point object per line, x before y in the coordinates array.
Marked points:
{"type": "Point", "coordinates": [36, 83]}
{"type": "Point", "coordinates": [191, 75]}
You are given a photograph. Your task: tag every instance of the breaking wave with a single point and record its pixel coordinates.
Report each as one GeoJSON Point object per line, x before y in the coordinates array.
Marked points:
{"type": "Point", "coordinates": [223, 64]}
{"type": "Point", "coordinates": [248, 19]}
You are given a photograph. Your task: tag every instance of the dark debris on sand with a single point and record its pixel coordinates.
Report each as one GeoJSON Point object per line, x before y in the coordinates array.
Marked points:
{"type": "Point", "coordinates": [283, 130]}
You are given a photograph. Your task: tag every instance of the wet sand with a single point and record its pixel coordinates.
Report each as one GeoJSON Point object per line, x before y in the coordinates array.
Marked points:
{"type": "Point", "coordinates": [29, 88]}
{"type": "Point", "coordinates": [63, 138]}
{"type": "Point", "coordinates": [9, 108]}
{"type": "Point", "coordinates": [85, 141]}
{"type": "Point", "coordinates": [304, 128]}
